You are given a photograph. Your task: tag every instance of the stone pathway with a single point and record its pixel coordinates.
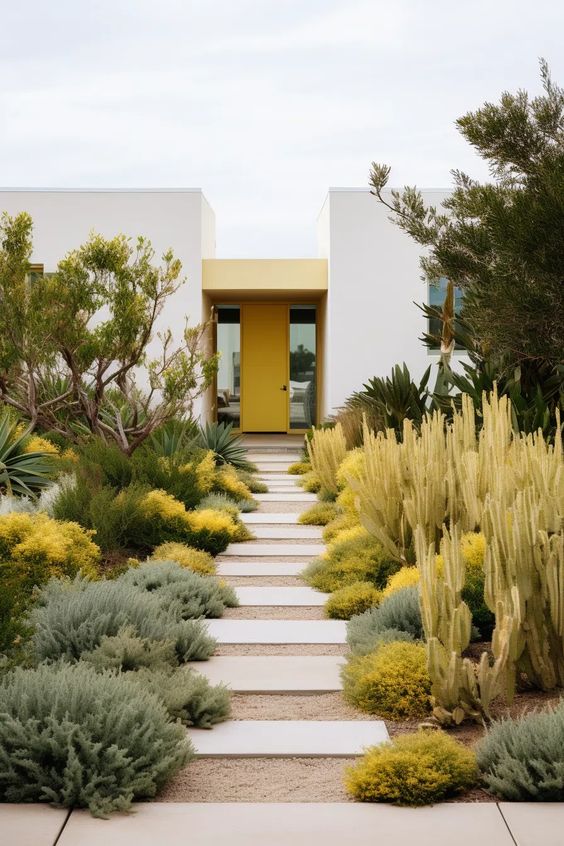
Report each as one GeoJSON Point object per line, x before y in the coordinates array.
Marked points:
{"type": "Point", "coordinates": [280, 667]}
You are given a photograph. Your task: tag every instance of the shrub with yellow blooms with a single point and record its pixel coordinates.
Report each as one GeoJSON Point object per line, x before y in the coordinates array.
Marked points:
{"type": "Point", "coordinates": [352, 599]}
{"type": "Point", "coordinates": [406, 577]}
{"type": "Point", "coordinates": [35, 443]}
{"type": "Point", "coordinates": [353, 556]}
{"type": "Point", "coordinates": [413, 769]}
{"type": "Point", "coordinates": [193, 559]}
{"type": "Point", "coordinates": [392, 682]}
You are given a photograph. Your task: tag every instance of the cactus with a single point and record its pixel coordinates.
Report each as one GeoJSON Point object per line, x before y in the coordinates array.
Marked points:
{"type": "Point", "coordinates": [460, 689]}
{"type": "Point", "coordinates": [327, 450]}
{"type": "Point", "coordinates": [524, 566]}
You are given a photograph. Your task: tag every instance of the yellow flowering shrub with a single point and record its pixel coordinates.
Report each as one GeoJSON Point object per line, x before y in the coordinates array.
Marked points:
{"type": "Point", "coordinates": [206, 472]}
{"type": "Point", "coordinates": [35, 443]}
{"type": "Point", "coordinates": [186, 556]}
{"type": "Point", "coordinates": [298, 468]}
{"type": "Point", "coordinates": [346, 520]}
{"type": "Point", "coordinates": [353, 556]}
{"type": "Point", "coordinates": [310, 482]}
{"type": "Point", "coordinates": [320, 514]}
{"type": "Point", "coordinates": [35, 543]}
{"type": "Point", "coordinates": [166, 519]}
{"type": "Point", "coordinates": [352, 599]}
{"type": "Point", "coordinates": [413, 769]}
{"type": "Point", "coordinates": [159, 503]}
{"type": "Point", "coordinates": [406, 577]}
{"type": "Point", "coordinates": [392, 682]}
{"type": "Point", "coordinates": [473, 547]}
{"type": "Point", "coordinates": [228, 482]}
{"type": "Point", "coordinates": [351, 466]}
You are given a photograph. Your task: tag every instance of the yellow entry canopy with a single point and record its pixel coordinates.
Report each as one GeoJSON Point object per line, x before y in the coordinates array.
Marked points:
{"type": "Point", "coordinates": [232, 275]}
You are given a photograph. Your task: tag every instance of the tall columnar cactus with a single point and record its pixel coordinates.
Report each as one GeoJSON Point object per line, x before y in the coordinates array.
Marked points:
{"type": "Point", "coordinates": [460, 689]}
{"type": "Point", "coordinates": [524, 566]}
{"type": "Point", "coordinates": [327, 449]}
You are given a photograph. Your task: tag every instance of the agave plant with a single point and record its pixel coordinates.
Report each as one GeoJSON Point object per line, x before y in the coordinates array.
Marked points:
{"type": "Point", "coordinates": [21, 473]}
{"type": "Point", "coordinates": [391, 400]}
{"type": "Point", "coordinates": [227, 447]}
{"type": "Point", "coordinates": [174, 438]}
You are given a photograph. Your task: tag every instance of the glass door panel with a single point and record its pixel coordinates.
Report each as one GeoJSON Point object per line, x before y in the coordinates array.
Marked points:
{"type": "Point", "coordinates": [303, 367]}
{"type": "Point", "coordinates": [229, 371]}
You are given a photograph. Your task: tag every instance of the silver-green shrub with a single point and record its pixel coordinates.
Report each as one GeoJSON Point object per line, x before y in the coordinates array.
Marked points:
{"type": "Point", "coordinates": [399, 611]}
{"type": "Point", "coordinates": [522, 760]}
{"type": "Point", "coordinates": [71, 618]}
{"type": "Point", "coordinates": [187, 695]}
{"type": "Point", "coordinates": [81, 739]}
{"type": "Point", "coordinates": [186, 594]}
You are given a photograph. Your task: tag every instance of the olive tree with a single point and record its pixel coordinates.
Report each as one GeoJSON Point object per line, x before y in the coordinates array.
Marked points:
{"type": "Point", "coordinates": [72, 343]}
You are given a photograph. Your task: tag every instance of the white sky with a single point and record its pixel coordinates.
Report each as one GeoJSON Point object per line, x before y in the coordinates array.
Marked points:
{"type": "Point", "coordinates": [262, 103]}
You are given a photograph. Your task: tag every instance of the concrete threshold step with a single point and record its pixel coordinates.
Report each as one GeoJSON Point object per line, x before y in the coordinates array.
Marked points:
{"type": "Point", "coordinates": [288, 738]}
{"type": "Point", "coordinates": [278, 631]}
{"type": "Point", "coordinates": [273, 550]}
{"type": "Point", "coordinates": [259, 568]}
{"type": "Point", "coordinates": [288, 533]}
{"type": "Point", "coordinates": [274, 673]}
{"type": "Point", "coordinates": [290, 496]}
{"type": "Point", "coordinates": [281, 596]}
{"type": "Point", "coordinates": [305, 824]}
{"type": "Point", "coordinates": [253, 518]}
{"type": "Point", "coordinates": [278, 457]}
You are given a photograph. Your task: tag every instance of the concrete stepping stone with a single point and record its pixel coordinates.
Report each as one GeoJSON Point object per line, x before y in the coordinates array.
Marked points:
{"type": "Point", "coordinates": [299, 824]}
{"type": "Point", "coordinates": [274, 673]}
{"type": "Point", "coordinates": [278, 631]}
{"type": "Point", "coordinates": [534, 823]}
{"type": "Point", "coordinates": [298, 496]}
{"type": "Point", "coordinates": [274, 457]}
{"type": "Point", "coordinates": [257, 517]}
{"type": "Point", "coordinates": [276, 550]}
{"type": "Point", "coordinates": [30, 824]}
{"type": "Point", "coordinates": [283, 596]}
{"type": "Point", "coordinates": [279, 478]}
{"type": "Point", "coordinates": [284, 489]}
{"type": "Point", "coordinates": [273, 467]}
{"type": "Point", "coordinates": [260, 568]}
{"type": "Point", "coordinates": [288, 533]}
{"type": "Point", "coordinates": [288, 738]}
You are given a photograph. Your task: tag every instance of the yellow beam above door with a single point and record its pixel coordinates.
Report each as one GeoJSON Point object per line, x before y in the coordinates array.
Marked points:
{"type": "Point", "coordinates": [232, 275]}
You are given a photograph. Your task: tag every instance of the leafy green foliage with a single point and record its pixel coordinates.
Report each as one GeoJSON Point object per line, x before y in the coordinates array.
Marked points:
{"type": "Point", "coordinates": [392, 682]}
{"type": "Point", "coordinates": [227, 447]}
{"type": "Point", "coordinates": [522, 760]}
{"type": "Point", "coordinates": [391, 400]}
{"type": "Point", "coordinates": [500, 242]}
{"type": "Point", "coordinates": [399, 611]}
{"type": "Point", "coordinates": [21, 473]}
{"type": "Point", "coordinates": [70, 619]}
{"type": "Point", "coordinates": [81, 739]}
{"type": "Point", "coordinates": [413, 769]}
{"type": "Point", "coordinates": [71, 372]}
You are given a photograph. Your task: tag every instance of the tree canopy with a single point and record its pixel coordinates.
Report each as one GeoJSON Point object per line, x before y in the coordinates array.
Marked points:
{"type": "Point", "coordinates": [501, 242]}
{"type": "Point", "coordinates": [72, 342]}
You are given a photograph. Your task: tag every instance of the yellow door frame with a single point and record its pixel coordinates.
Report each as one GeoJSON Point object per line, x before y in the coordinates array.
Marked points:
{"type": "Point", "coordinates": [288, 305]}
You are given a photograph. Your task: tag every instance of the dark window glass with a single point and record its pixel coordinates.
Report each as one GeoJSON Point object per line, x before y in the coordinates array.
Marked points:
{"type": "Point", "coordinates": [303, 367]}
{"type": "Point", "coordinates": [437, 294]}
{"type": "Point", "coordinates": [229, 371]}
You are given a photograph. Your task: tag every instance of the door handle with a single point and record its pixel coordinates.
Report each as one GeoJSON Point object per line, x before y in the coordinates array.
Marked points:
{"type": "Point", "coordinates": [284, 388]}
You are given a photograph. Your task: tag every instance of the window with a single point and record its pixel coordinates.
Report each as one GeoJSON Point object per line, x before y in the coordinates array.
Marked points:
{"type": "Point", "coordinates": [436, 297]}
{"type": "Point", "coordinates": [303, 366]}
{"type": "Point", "coordinates": [229, 370]}
{"type": "Point", "coordinates": [35, 271]}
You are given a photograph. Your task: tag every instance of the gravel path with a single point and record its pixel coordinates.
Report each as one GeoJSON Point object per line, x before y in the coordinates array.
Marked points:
{"type": "Point", "coordinates": [259, 780]}
{"type": "Point", "coordinates": [282, 649]}
{"type": "Point", "coordinates": [263, 581]}
{"type": "Point", "coordinates": [275, 612]}
{"type": "Point", "coordinates": [289, 706]}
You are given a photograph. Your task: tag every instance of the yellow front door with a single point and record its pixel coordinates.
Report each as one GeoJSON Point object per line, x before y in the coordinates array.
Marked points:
{"type": "Point", "coordinates": [264, 367]}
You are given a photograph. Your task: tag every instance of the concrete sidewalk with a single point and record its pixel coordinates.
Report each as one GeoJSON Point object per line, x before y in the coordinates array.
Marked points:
{"type": "Point", "coordinates": [304, 824]}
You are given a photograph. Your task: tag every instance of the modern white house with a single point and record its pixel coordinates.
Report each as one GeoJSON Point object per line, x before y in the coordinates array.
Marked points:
{"type": "Point", "coordinates": [296, 336]}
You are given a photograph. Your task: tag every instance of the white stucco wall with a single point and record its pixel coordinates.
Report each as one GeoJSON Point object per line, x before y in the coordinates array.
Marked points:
{"type": "Point", "coordinates": [374, 279]}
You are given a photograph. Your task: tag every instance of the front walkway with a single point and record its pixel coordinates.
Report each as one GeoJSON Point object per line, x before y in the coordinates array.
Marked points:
{"type": "Point", "coordinates": [273, 775]}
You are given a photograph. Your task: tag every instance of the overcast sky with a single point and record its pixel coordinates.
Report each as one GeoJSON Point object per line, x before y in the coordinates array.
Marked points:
{"type": "Point", "coordinates": [262, 103]}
